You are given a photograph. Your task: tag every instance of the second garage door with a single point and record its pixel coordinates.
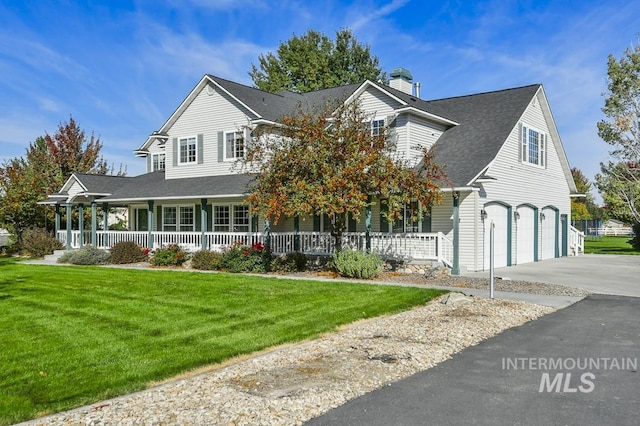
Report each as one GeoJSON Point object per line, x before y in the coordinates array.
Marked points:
{"type": "Point", "coordinates": [525, 234]}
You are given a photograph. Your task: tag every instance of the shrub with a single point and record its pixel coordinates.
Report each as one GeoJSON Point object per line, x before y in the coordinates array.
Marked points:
{"type": "Point", "coordinates": [87, 255]}
{"type": "Point", "coordinates": [128, 252]}
{"type": "Point", "coordinates": [239, 258]}
{"type": "Point", "coordinates": [635, 239]}
{"type": "Point", "coordinates": [206, 260]}
{"type": "Point", "coordinates": [171, 255]}
{"type": "Point", "coordinates": [289, 262]}
{"type": "Point", "coordinates": [38, 243]}
{"type": "Point", "coordinates": [356, 264]}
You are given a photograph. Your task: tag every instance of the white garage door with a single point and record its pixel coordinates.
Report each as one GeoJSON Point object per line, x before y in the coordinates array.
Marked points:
{"type": "Point", "coordinates": [548, 234]}
{"type": "Point", "coordinates": [498, 214]}
{"type": "Point", "coordinates": [525, 235]}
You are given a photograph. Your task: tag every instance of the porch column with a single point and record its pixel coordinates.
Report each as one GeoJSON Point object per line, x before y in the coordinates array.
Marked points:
{"type": "Point", "coordinates": [105, 223]}
{"type": "Point", "coordinates": [150, 225]}
{"type": "Point", "coordinates": [81, 224]}
{"type": "Point", "coordinates": [267, 234]}
{"type": "Point", "coordinates": [94, 224]}
{"type": "Point", "coordinates": [296, 230]}
{"type": "Point", "coordinates": [536, 224]}
{"type": "Point", "coordinates": [69, 215]}
{"type": "Point", "coordinates": [57, 220]}
{"type": "Point", "coordinates": [367, 226]}
{"type": "Point", "coordinates": [204, 221]}
{"type": "Point", "coordinates": [456, 235]}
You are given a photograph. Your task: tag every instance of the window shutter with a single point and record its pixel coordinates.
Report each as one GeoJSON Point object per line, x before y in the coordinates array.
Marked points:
{"type": "Point", "coordinates": [390, 121]}
{"type": "Point", "coordinates": [426, 222]}
{"type": "Point", "coordinates": [254, 223]}
{"type": "Point", "coordinates": [543, 153]}
{"type": "Point", "coordinates": [175, 152]}
{"type": "Point", "coordinates": [159, 221]}
{"type": "Point", "coordinates": [316, 223]}
{"type": "Point", "coordinates": [351, 223]}
{"type": "Point", "coordinates": [384, 224]}
{"type": "Point", "coordinates": [198, 218]}
{"type": "Point", "coordinates": [149, 163]}
{"type": "Point", "coordinates": [523, 143]}
{"type": "Point", "coordinates": [200, 139]}
{"type": "Point", "coordinates": [220, 147]}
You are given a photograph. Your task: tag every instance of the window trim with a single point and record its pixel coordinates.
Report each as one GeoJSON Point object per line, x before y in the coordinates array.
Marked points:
{"type": "Point", "coordinates": [224, 145]}
{"type": "Point", "coordinates": [380, 128]}
{"type": "Point", "coordinates": [195, 152]}
{"type": "Point", "coordinates": [178, 224]}
{"type": "Point", "coordinates": [232, 225]}
{"type": "Point", "coordinates": [156, 155]}
{"type": "Point", "coordinates": [525, 148]}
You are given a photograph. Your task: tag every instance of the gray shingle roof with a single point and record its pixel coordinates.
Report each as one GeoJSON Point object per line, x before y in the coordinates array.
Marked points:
{"type": "Point", "coordinates": [485, 121]}
{"type": "Point", "coordinates": [101, 184]}
{"type": "Point", "coordinates": [153, 185]}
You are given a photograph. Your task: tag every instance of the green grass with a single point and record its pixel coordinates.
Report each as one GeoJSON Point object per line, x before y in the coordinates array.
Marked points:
{"type": "Point", "coordinates": [609, 245]}
{"type": "Point", "coordinates": [75, 335]}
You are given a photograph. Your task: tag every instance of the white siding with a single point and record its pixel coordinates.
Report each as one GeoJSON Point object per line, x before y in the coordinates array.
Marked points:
{"type": "Point", "coordinates": [468, 215]}
{"type": "Point", "coordinates": [421, 133]}
{"type": "Point", "coordinates": [209, 113]}
{"type": "Point", "coordinates": [519, 183]}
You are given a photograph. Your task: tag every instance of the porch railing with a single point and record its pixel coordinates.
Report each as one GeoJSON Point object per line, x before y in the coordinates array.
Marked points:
{"type": "Point", "coordinates": [418, 246]}
{"type": "Point", "coordinates": [576, 241]}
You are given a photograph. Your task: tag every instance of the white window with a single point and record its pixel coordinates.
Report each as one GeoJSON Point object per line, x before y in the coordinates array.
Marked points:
{"type": "Point", "coordinates": [533, 149]}
{"type": "Point", "coordinates": [410, 221]}
{"type": "Point", "coordinates": [178, 218]}
{"type": "Point", "coordinates": [187, 150]}
{"type": "Point", "coordinates": [221, 218]}
{"type": "Point", "coordinates": [377, 126]}
{"type": "Point", "coordinates": [233, 145]}
{"type": "Point", "coordinates": [231, 218]}
{"type": "Point", "coordinates": [158, 162]}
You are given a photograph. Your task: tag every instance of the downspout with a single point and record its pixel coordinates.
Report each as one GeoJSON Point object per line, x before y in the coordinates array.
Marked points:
{"type": "Point", "coordinates": [367, 225]}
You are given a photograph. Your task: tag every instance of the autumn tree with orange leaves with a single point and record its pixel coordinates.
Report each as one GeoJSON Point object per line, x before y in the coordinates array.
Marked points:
{"type": "Point", "coordinates": [330, 162]}
{"type": "Point", "coordinates": [47, 164]}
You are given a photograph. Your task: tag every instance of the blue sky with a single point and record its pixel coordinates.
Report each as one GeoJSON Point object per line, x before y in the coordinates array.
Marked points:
{"type": "Point", "coordinates": [120, 68]}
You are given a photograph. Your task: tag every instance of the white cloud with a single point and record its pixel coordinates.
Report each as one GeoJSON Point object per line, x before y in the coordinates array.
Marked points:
{"type": "Point", "coordinates": [365, 19]}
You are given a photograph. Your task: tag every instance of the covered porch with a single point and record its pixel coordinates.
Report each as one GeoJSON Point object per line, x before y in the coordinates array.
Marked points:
{"type": "Point", "coordinates": [410, 246]}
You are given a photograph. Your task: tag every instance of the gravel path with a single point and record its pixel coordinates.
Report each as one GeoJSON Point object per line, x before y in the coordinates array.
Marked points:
{"type": "Point", "coordinates": [291, 384]}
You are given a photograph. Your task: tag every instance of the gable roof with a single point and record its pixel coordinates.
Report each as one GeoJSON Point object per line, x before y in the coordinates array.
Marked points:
{"type": "Point", "coordinates": [485, 121]}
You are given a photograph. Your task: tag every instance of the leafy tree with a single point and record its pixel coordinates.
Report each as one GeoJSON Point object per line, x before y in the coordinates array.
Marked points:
{"type": "Point", "coordinates": [48, 162]}
{"type": "Point", "coordinates": [313, 61]}
{"type": "Point", "coordinates": [331, 163]}
{"type": "Point", "coordinates": [619, 180]}
{"type": "Point", "coordinates": [584, 208]}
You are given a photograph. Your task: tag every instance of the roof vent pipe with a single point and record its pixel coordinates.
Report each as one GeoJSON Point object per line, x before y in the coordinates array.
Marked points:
{"type": "Point", "coordinates": [416, 85]}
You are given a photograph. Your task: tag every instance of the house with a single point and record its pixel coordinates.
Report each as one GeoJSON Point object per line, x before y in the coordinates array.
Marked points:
{"type": "Point", "coordinates": [501, 151]}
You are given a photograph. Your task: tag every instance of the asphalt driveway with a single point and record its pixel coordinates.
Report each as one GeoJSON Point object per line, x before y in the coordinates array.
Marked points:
{"type": "Point", "coordinates": [577, 366]}
{"type": "Point", "coordinates": [597, 273]}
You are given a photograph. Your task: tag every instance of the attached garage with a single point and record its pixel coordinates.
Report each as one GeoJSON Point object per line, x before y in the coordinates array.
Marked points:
{"type": "Point", "coordinates": [498, 214]}
{"type": "Point", "coordinates": [526, 230]}
{"type": "Point", "coordinates": [548, 233]}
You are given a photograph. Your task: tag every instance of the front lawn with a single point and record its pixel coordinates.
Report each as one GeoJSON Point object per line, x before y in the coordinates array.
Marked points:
{"type": "Point", "coordinates": [608, 245]}
{"type": "Point", "coordinates": [75, 335]}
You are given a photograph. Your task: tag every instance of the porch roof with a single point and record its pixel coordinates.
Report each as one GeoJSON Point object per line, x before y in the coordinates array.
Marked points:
{"type": "Point", "coordinates": [154, 186]}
